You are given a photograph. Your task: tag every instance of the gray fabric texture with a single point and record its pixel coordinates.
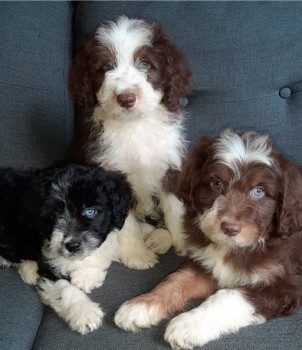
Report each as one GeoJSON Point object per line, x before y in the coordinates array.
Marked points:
{"type": "Point", "coordinates": [21, 312]}
{"type": "Point", "coordinates": [35, 127]}
{"type": "Point", "coordinates": [35, 109]}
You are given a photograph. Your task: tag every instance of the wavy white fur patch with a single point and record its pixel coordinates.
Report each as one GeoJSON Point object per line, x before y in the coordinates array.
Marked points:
{"type": "Point", "coordinates": [224, 312]}
{"type": "Point", "coordinates": [232, 149]}
{"type": "Point", "coordinates": [73, 305]}
{"type": "Point", "coordinates": [212, 258]}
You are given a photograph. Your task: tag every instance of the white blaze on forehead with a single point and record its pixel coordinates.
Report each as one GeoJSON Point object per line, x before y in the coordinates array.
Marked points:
{"type": "Point", "coordinates": [125, 36]}
{"type": "Point", "coordinates": [232, 149]}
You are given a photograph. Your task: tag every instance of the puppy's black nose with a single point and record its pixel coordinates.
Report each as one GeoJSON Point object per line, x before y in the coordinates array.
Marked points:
{"type": "Point", "coordinates": [230, 228]}
{"type": "Point", "coordinates": [126, 99]}
{"type": "Point", "coordinates": [73, 246]}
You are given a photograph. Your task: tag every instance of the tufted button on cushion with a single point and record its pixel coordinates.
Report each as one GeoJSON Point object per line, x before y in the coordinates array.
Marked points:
{"type": "Point", "coordinates": [183, 101]}
{"type": "Point", "coordinates": [285, 92]}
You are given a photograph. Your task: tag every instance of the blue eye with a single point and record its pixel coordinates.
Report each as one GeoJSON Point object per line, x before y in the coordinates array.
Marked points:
{"type": "Point", "coordinates": [89, 212]}
{"type": "Point", "coordinates": [257, 192]}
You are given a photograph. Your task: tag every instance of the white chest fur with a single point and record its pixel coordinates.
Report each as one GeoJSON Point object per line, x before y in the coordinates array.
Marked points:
{"type": "Point", "coordinates": [143, 147]}
{"type": "Point", "coordinates": [212, 258]}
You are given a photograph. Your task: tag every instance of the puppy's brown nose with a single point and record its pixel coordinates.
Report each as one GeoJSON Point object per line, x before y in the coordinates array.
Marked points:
{"type": "Point", "coordinates": [126, 99]}
{"type": "Point", "coordinates": [230, 228]}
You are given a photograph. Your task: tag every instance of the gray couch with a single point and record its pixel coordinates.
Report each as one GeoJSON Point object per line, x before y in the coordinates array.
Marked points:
{"type": "Point", "coordinates": [246, 59]}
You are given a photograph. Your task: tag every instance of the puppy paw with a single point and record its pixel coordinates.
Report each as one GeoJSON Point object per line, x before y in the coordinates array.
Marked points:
{"type": "Point", "coordinates": [86, 319]}
{"type": "Point", "coordinates": [191, 329]}
{"type": "Point", "coordinates": [28, 270]}
{"type": "Point", "coordinates": [146, 229]}
{"type": "Point", "coordinates": [50, 291]}
{"type": "Point", "coordinates": [141, 259]}
{"type": "Point", "coordinates": [87, 279]}
{"type": "Point", "coordinates": [132, 316]}
{"type": "Point", "coordinates": [70, 303]}
{"type": "Point", "coordinates": [159, 241]}
{"type": "Point", "coordinates": [182, 332]}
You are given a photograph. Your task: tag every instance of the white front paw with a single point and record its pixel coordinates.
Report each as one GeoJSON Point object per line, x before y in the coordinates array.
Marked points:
{"type": "Point", "coordinates": [73, 305]}
{"type": "Point", "coordinates": [183, 332]}
{"type": "Point", "coordinates": [132, 316]}
{"type": "Point", "coordinates": [139, 259]}
{"type": "Point", "coordinates": [159, 241]}
{"type": "Point", "coordinates": [87, 279]}
{"type": "Point", "coordinates": [146, 229]}
{"type": "Point", "coordinates": [212, 319]}
{"type": "Point", "coordinates": [86, 319]}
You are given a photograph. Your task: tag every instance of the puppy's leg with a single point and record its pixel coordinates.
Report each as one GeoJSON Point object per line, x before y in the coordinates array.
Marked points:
{"type": "Point", "coordinates": [281, 298]}
{"type": "Point", "coordinates": [169, 296]}
{"type": "Point", "coordinates": [222, 313]}
{"type": "Point", "coordinates": [146, 229]}
{"type": "Point", "coordinates": [132, 250]}
{"type": "Point", "coordinates": [70, 303]}
{"type": "Point", "coordinates": [28, 270]}
{"type": "Point", "coordinates": [173, 211]}
{"type": "Point", "coordinates": [159, 241]}
{"type": "Point", "coordinates": [90, 272]}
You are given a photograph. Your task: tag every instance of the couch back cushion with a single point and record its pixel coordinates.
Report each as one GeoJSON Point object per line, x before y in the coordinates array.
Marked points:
{"type": "Point", "coordinates": [36, 113]}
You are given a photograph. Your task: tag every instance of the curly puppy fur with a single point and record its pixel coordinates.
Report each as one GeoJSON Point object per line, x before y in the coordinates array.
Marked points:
{"type": "Point", "coordinates": [129, 81]}
{"type": "Point", "coordinates": [59, 226]}
{"type": "Point", "coordinates": [243, 223]}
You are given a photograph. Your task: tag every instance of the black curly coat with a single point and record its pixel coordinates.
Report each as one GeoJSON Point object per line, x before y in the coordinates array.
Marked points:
{"type": "Point", "coordinates": [34, 203]}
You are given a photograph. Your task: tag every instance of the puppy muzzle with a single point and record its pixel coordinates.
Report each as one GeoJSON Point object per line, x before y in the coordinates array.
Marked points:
{"type": "Point", "coordinates": [74, 246]}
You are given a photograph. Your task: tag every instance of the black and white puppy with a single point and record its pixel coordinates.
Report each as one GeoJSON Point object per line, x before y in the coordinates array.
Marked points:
{"type": "Point", "coordinates": [59, 226]}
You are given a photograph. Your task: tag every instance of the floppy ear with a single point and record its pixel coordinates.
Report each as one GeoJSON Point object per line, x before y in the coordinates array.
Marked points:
{"type": "Point", "coordinates": [121, 197]}
{"type": "Point", "coordinates": [191, 173]}
{"type": "Point", "coordinates": [81, 77]}
{"type": "Point", "coordinates": [176, 75]}
{"type": "Point", "coordinates": [289, 210]}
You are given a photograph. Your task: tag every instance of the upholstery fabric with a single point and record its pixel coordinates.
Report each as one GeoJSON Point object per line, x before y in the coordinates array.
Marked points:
{"type": "Point", "coordinates": [36, 117]}
{"type": "Point", "coordinates": [21, 312]}
{"type": "Point", "coordinates": [36, 113]}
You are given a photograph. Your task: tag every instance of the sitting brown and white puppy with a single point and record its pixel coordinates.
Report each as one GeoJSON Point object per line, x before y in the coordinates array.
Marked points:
{"type": "Point", "coordinates": [130, 81]}
{"type": "Point", "coordinates": [244, 232]}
